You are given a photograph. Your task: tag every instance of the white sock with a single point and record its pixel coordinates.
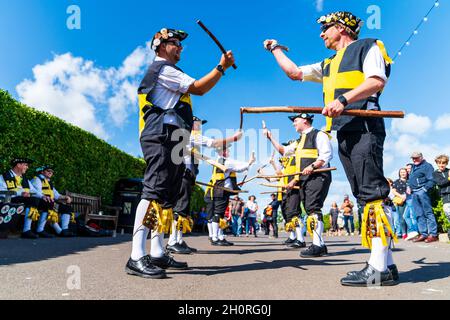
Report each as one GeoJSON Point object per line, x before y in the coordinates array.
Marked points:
{"type": "Point", "coordinates": [27, 223]}
{"type": "Point", "coordinates": [378, 255]}
{"type": "Point", "coordinates": [42, 221]}
{"type": "Point", "coordinates": [180, 237]}
{"type": "Point", "coordinates": [390, 258]}
{"type": "Point", "coordinates": [140, 232]}
{"type": "Point", "coordinates": [157, 245]}
{"type": "Point", "coordinates": [221, 235]}
{"type": "Point", "coordinates": [215, 231]}
{"type": "Point", "coordinates": [57, 228]}
{"type": "Point", "coordinates": [210, 229]}
{"type": "Point", "coordinates": [292, 235]}
{"type": "Point", "coordinates": [65, 220]}
{"type": "Point", "coordinates": [298, 232]}
{"type": "Point", "coordinates": [317, 235]}
{"type": "Point", "coordinates": [173, 235]}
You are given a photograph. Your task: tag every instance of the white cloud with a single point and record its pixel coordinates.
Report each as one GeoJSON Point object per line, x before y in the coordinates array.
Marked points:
{"type": "Point", "coordinates": [319, 5]}
{"type": "Point", "coordinates": [411, 124]}
{"type": "Point", "coordinates": [443, 122]}
{"type": "Point", "coordinates": [86, 95]}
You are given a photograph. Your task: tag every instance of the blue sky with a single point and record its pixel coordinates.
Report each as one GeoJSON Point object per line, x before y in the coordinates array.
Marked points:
{"type": "Point", "coordinates": [88, 76]}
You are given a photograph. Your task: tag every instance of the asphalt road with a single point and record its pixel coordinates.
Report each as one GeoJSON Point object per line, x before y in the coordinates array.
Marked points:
{"type": "Point", "coordinates": [255, 268]}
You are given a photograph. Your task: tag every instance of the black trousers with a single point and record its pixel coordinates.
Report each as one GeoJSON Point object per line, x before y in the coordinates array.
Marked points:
{"type": "Point", "coordinates": [314, 191]}
{"type": "Point", "coordinates": [292, 205]}
{"type": "Point", "coordinates": [215, 207]}
{"type": "Point", "coordinates": [361, 155]}
{"type": "Point", "coordinates": [163, 177]}
{"type": "Point", "coordinates": [29, 202]}
{"type": "Point", "coordinates": [272, 222]}
{"type": "Point", "coordinates": [184, 196]}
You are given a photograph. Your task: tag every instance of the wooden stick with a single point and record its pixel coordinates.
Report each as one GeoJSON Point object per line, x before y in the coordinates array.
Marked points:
{"type": "Point", "coordinates": [272, 192]}
{"type": "Point", "coordinates": [222, 49]}
{"type": "Point", "coordinates": [221, 188]}
{"type": "Point", "coordinates": [208, 160]}
{"type": "Point", "coordinates": [297, 173]}
{"type": "Point", "coordinates": [275, 186]}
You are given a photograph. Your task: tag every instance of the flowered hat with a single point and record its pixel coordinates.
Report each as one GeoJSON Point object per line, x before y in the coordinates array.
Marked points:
{"type": "Point", "coordinates": [347, 19]}
{"type": "Point", "coordinates": [165, 34]}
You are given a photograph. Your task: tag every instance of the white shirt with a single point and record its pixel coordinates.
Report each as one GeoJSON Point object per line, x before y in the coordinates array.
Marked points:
{"type": "Point", "coordinates": [170, 86]}
{"type": "Point", "coordinates": [196, 141]}
{"type": "Point", "coordinates": [233, 166]}
{"type": "Point", "coordinates": [323, 146]}
{"type": "Point", "coordinates": [252, 206]}
{"type": "Point", "coordinates": [4, 187]}
{"type": "Point", "coordinates": [373, 66]}
{"type": "Point", "coordinates": [37, 183]}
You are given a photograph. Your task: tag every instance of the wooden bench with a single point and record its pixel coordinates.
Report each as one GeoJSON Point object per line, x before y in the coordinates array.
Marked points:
{"type": "Point", "coordinates": [92, 209]}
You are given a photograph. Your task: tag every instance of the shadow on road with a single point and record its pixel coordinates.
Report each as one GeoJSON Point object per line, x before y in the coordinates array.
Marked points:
{"type": "Point", "coordinates": [14, 251]}
{"type": "Point", "coordinates": [299, 263]}
{"type": "Point", "coordinates": [426, 272]}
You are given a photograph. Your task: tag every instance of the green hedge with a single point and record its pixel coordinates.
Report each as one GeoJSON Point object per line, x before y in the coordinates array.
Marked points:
{"type": "Point", "coordinates": [83, 163]}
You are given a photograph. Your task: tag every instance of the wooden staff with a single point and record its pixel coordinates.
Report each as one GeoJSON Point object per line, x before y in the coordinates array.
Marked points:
{"type": "Point", "coordinates": [297, 173]}
{"type": "Point", "coordinates": [199, 156]}
{"type": "Point", "coordinates": [318, 110]}
{"type": "Point", "coordinates": [272, 192]}
{"type": "Point", "coordinates": [214, 39]}
{"type": "Point", "coordinates": [275, 186]}
{"type": "Point", "coordinates": [221, 188]}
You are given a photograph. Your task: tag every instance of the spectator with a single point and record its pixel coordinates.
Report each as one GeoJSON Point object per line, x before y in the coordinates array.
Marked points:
{"type": "Point", "coordinates": [347, 208]}
{"type": "Point", "coordinates": [421, 181]}
{"type": "Point", "coordinates": [399, 190]}
{"type": "Point", "coordinates": [237, 213]}
{"type": "Point", "coordinates": [334, 214]}
{"type": "Point", "coordinates": [442, 179]}
{"type": "Point", "coordinates": [202, 221]}
{"type": "Point", "coordinates": [275, 204]}
{"type": "Point", "coordinates": [409, 215]}
{"type": "Point", "coordinates": [253, 211]}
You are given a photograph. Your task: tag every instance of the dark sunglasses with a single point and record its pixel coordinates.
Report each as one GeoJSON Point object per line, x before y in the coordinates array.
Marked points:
{"type": "Point", "coordinates": [176, 43]}
{"type": "Point", "coordinates": [325, 27]}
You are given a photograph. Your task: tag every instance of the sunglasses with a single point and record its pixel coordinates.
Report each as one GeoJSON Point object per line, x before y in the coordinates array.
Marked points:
{"type": "Point", "coordinates": [176, 43]}
{"type": "Point", "coordinates": [325, 27]}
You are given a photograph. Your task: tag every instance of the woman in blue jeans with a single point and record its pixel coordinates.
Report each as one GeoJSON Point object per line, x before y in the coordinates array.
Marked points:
{"type": "Point", "coordinates": [399, 188]}
{"type": "Point", "coordinates": [252, 206]}
{"type": "Point", "coordinates": [409, 216]}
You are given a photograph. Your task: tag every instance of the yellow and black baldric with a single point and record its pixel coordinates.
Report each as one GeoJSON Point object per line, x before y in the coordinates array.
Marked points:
{"type": "Point", "coordinates": [218, 179]}
{"type": "Point", "coordinates": [14, 183]}
{"type": "Point", "coordinates": [306, 152]}
{"type": "Point", "coordinates": [151, 117]}
{"type": "Point", "coordinates": [47, 187]}
{"type": "Point", "coordinates": [344, 72]}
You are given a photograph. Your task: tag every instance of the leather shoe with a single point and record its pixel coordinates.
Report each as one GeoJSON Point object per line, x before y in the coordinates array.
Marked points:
{"type": "Point", "coordinates": [297, 244]}
{"type": "Point", "coordinates": [431, 239]}
{"type": "Point", "coordinates": [66, 234]}
{"type": "Point", "coordinates": [420, 239]}
{"type": "Point", "coordinates": [392, 268]}
{"type": "Point", "coordinates": [369, 277]}
{"type": "Point", "coordinates": [143, 268]}
{"type": "Point", "coordinates": [178, 249]}
{"type": "Point", "coordinates": [29, 235]}
{"type": "Point", "coordinates": [314, 251]}
{"type": "Point", "coordinates": [167, 262]}
{"type": "Point", "coordinates": [184, 245]}
{"type": "Point", "coordinates": [225, 243]}
{"type": "Point", "coordinates": [289, 241]}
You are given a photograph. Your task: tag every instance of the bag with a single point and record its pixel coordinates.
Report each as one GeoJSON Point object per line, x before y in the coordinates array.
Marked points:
{"type": "Point", "coordinates": [398, 201]}
{"type": "Point", "coordinates": [269, 211]}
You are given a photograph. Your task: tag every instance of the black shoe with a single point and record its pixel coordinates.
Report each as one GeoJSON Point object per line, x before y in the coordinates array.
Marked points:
{"type": "Point", "coordinates": [314, 251]}
{"type": "Point", "coordinates": [368, 277]}
{"type": "Point", "coordinates": [184, 245]}
{"type": "Point", "coordinates": [143, 268]}
{"type": "Point", "coordinates": [289, 241]}
{"type": "Point", "coordinates": [66, 233]}
{"type": "Point", "coordinates": [297, 244]}
{"type": "Point", "coordinates": [215, 243]}
{"type": "Point", "coordinates": [167, 262]}
{"type": "Point", "coordinates": [392, 268]}
{"type": "Point", "coordinates": [225, 243]}
{"type": "Point", "coordinates": [178, 248]}
{"type": "Point", "coordinates": [29, 235]}
{"type": "Point", "coordinates": [45, 235]}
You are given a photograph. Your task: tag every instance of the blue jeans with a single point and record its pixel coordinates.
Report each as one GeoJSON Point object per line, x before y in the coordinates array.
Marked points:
{"type": "Point", "coordinates": [251, 222]}
{"type": "Point", "coordinates": [399, 222]}
{"type": "Point", "coordinates": [236, 226]}
{"type": "Point", "coordinates": [352, 226]}
{"type": "Point", "coordinates": [410, 217]}
{"type": "Point", "coordinates": [424, 212]}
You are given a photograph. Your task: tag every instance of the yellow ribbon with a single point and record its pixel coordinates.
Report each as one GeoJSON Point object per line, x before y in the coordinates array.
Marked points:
{"type": "Point", "coordinates": [33, 214]}
{"type": "Point", "coordinates": [72, 217]}
{"type": "Point", "coordinates": [165, 220]}
{"type": "Point", "coordinates": [290, 226]}
{"type": "Point", "coordinates": [383, 228]}
{"type": "Point", "coordinates": [311, 224]}
{"type": "Point", "coordinates": [184, 224]}
{"type": "Point", "coordinates": [223, 224]}
{"type": "Point", "coordinates": [52, 216]}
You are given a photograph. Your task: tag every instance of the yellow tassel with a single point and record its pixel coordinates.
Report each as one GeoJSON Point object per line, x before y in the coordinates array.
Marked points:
{"type": "Point", "coordinates": [72, 217]}
{"type": "Point", "coordinates": [33, 214]}
{"type": "Point", "coordinates": [290, 226]}
{"type": "Point", "coordinates": [52, 216]}
{"type": "Point", "coordinates": [223, 224]}
{"type": "Point", "coordinates": [151, 216]}
{"type": "Point", "coordinates": [375, 224]}
{"type": "Point", "coordinates": [184, 224]}
{"type": "Point", "coordinates": [165, 221]}
{"type": "Point", "coordinates": [311, 224]}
